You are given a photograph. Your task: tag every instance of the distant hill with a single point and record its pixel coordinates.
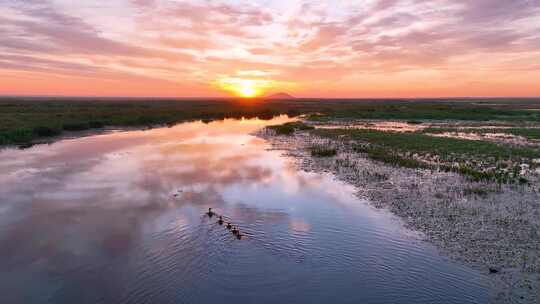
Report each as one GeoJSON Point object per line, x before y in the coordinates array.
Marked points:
{"type": "Point", "coordinates": [280, 95]}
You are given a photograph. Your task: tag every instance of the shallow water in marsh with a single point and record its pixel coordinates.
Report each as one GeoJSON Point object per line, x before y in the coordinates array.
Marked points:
{"type": "Point", "coordinates": [118, 218]}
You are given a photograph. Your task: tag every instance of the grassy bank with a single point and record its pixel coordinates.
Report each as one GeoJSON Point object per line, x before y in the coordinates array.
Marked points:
{"type": "Point", "coordinates": [22, 121]}
{"type": "Point", "coordinates": [476, 159]}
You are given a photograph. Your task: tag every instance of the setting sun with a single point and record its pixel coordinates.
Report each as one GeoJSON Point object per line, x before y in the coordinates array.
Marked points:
{"type": "Point", "coordinates": [248, 92]}
{"type": "Point", "coordinates": [242, 87]}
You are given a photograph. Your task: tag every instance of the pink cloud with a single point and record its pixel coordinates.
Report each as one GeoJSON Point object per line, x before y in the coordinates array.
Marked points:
{"type": "Point", "coordinates": [334, 44]}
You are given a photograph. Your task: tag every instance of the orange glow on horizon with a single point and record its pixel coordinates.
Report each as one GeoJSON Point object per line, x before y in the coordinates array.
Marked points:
{"type": "Point", "coordinates": [244, 87]}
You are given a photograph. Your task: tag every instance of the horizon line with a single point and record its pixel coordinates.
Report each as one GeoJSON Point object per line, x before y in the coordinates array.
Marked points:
{"type": "Point", "coordinates": [259, 98]}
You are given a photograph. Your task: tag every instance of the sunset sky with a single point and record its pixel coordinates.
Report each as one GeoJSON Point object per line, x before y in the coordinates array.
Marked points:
{"type": "Point", "coordinates": [334, 48]}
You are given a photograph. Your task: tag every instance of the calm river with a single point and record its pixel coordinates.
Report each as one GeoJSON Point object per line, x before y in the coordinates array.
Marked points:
{"type": "Point", "coordinates": [119, 218]}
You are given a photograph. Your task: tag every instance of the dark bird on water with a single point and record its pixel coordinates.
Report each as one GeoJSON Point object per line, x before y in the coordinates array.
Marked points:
{"type": "Point", "coordinates": [229, 226]}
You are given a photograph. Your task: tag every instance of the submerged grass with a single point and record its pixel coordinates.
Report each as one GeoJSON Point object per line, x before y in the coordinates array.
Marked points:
{"type": "Point", "coordinates": [529, 133]}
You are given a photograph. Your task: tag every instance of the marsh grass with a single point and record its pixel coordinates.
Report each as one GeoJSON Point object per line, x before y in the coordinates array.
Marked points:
{"type": "Point", "coordinates": [479, 161]}
{"type": "Point", "coordinates": [76, 126]}
{"type": "Point", "coordinates": [43, 131]}
{"type": "Point", "coordinates": [95, 124]}
{"type": "Point", "coordinates": [529, 133]}
{"type": "Point", "coordinates": [388, 157]}
{"type": "Point", "coordinates": [477, 191]}
{"type": "Point", "coordinates": [289, 128]}
{"type": "Point", "coordinates": [284, 129]}
{"type": "Point", "coordinates": [25, 119]}
{"type": "Point", "coordinates": [322, 151]}
{"type": "Point", "coordinates": [416, 111]}
{"type": "Point", "coordinates": [420, 143]}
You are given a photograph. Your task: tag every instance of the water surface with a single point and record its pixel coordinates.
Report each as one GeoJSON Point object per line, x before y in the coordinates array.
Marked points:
{"type": "Point", "coordinates": [118, 218]}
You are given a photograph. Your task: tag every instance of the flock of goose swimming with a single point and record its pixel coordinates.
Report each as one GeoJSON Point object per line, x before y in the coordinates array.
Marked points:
{"type": "Point", "coordinates": [235, 230]}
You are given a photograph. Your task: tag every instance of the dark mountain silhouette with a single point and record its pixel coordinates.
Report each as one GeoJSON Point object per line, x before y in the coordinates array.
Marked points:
{"type": "Point", "coordinates": [280, 95]}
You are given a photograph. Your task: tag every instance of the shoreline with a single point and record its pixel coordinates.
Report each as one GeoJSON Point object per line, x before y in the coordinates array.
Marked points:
{"type": "Point", "coordinates": [68, 135]}
{"type": "Point", "coordinates": [491, 233]}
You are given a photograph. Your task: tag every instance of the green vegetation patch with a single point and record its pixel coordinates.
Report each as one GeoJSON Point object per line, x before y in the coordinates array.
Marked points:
{"type": "Point", "coordinates": [23, 120]}
{"type": "Point", "coordinates": [76, 126]}
{"type": "Point", "coordinates": [322, 151]}
{"type": "Point", "coordinates": [388, 157]}
{"type": "Point", "coordinates": [529, 133]}
{"type": "Point", "coordinates": [477, 160]}
{"type": "Point", "coordinates": [43, 131]}
{"type": "Point", "coordinates": [447, 148]}
{"type": "Point", "coordinates": [289, 128]}
{"type": "Point", "coordinates": [441, 110]}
